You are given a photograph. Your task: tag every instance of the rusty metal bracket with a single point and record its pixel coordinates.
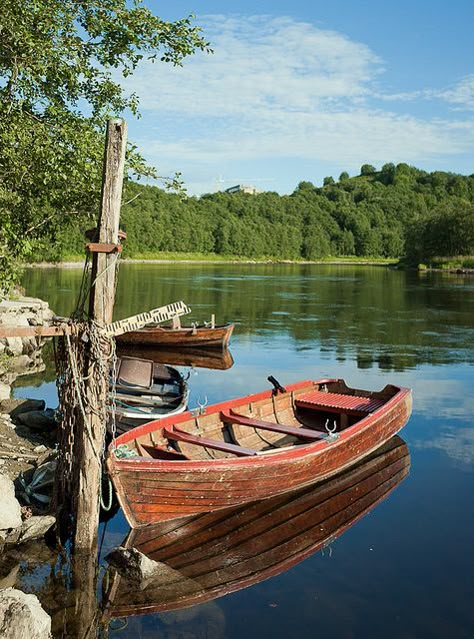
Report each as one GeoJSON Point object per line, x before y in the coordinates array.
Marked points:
{"type": "Point", "coordinates": [97, 247]}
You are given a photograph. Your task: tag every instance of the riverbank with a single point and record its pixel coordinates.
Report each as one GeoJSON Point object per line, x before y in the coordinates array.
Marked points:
{"type": "Point", "coordinates": [186, 258]}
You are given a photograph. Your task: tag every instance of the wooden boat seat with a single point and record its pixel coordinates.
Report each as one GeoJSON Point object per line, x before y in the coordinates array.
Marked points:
{"type": "Point", "coordinates": [180, 435]}
{"type": "Point", "coordinates": [243, 420]}
{"type": "Point", "coordinates": [337, 403]}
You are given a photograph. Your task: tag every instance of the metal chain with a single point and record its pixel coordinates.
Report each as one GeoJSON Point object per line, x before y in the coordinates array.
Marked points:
{"type": "Point", "coordinates": [73, 401]}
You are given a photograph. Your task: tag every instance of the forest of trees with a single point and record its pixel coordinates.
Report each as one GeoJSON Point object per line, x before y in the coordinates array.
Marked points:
{"type": "Point", "coordinates": [396, 212]}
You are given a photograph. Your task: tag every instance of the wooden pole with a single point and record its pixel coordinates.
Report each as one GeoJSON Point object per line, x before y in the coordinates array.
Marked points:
{"type": "Point", "coordinates": [91, 432]}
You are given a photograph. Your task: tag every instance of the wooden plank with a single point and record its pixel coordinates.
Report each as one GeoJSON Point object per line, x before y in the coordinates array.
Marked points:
{"type": "Point", "coordinates": [242, 420]}
{"type": "Point", "coordinates": [34, 331]}
{"type": "Point", "coordinates": [95, 247]}
{"type": "Point", "coordinates": [181, 436]}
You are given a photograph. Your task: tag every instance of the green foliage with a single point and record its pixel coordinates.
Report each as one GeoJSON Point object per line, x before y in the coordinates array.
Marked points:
{"type": "Point", "coordinates": [344, 176]}
{"type": "Point", "coordinates": [367, 169]}
{"type": "Point", "coordinates": [448, 230]}
{"type": "Point", "coordinates": [56, 93]}
{"type": "Point", "coordinates": [414, 213]}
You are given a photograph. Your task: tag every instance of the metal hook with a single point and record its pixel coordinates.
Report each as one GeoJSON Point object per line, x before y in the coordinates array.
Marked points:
{"type": "Point", "coordinates": [332, 434]}
{"type": "Point", "coordinates": [201, 409]}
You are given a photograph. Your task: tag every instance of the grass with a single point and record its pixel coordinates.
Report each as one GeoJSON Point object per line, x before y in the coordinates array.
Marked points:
{"type": "Point", "coordinates": [212, 257]}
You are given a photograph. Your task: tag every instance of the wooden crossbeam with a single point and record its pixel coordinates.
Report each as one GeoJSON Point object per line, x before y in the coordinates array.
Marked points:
{"type": "Point", "coordinates": [296, 431]}
{"type": "Point", "coordinates": [35, 331]}
{"type": "Point", "coordinates": [181, 436]}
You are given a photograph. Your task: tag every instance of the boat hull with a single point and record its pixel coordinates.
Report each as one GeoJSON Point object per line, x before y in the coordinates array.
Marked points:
{"type": "Point", "coordinates": [201, 336]}
{"type": "Point", "coordinates": [151, 490]}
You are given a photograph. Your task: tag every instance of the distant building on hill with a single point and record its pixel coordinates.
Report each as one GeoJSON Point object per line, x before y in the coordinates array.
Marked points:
{"type": "Point", "coordinates": [243, 188]}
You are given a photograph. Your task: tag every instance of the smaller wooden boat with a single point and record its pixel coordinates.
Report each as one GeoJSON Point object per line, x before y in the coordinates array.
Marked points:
{"type": "Point", "coordinates": [205, 335]}
{"type": "Point", "coordinates": [146, 390]}
{"type": "Point", "coordinates": [211, 555]}
{"type": "Point", "coordinates": [250, 448]}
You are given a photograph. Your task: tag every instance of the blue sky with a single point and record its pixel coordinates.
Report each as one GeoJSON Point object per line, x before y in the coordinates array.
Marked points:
{"type": "Point", "coordinates": [300, 90]}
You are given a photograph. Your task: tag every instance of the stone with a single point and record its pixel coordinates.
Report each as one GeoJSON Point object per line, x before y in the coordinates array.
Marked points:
{"type": "Point", "coordinates": [6, 420]}
{"type": "Point", "coordinates": [14, 346]}
{"type": "Point", "coordinates": [9, 580]}
{"type": "Point", "coordinates": [5, 391]}
{"type": "Point", "coordinates": [39, 419]}
{"type": "Point", "coordinates": [40, 449]}
{"type": "Point", "coordinates": [21, 364]}
{"type": "Point", "coordinates": [22, 617]}
{"type": "Point", "coordinates": [134, 565]}
{"type": "Point", "coordinates": [10, 510]}
{"type": "Point", "coordinates": [34, 527]}
{"type": "Point", "coordinates": [27, 406]}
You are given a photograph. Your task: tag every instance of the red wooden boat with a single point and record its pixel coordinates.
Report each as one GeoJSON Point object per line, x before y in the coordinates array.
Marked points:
{"type": "Point", "coordinates": [208, 556]}
{"type": "Point", "coordinates": [202, 336]}
{"type": "Point", "coordinates": [250, 448]}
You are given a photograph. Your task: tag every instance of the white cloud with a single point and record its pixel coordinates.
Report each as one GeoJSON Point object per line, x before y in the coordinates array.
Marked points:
{"type": "Point", "coordinates": [461, 94]}
{"type": "Point", "coordinates": [279, 88]}
{"type": "Point", "coordinates": [262, 64]}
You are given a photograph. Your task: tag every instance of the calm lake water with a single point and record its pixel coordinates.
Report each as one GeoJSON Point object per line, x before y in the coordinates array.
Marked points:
{"type": "Point", "coordinates": [404, 569]}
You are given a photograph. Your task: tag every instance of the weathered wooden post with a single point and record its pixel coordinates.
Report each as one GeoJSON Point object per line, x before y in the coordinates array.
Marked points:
{"type": "Point", "coordinates": [91, 433]}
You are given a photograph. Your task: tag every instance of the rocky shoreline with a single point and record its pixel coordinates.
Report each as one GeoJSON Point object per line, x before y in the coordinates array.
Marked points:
{"type": "Point", "coordinates": [26, 429]}
{"type": "Point", "coordinates": [27, 452]}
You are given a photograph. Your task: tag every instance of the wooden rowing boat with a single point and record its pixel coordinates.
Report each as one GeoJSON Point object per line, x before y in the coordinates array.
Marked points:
{"type": "Point", "coordinates": [208, 556]}
{"type": "Point", "coordinates": [250, 448]}
{"type": "Point", "coordinates": [184, 336]}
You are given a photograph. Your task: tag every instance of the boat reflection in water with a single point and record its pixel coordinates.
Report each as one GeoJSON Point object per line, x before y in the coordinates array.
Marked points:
{"type": "Point", "coordinates": [216, 359]}
{"type": "Point", "coordinates": [208, 556]}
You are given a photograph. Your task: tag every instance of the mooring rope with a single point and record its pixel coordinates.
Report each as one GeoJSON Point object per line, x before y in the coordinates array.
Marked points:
{"type": "Point", "coordinates": [84, 362]}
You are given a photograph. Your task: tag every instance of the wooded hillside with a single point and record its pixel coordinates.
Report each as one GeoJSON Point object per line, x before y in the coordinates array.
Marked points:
{"type": "Point", "coordinates": [395, 212]}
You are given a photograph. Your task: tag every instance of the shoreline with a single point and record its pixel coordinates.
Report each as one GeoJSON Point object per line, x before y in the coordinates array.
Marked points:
{"type": "Point", "coordinates": [80, 264]}
{"type": "Point", "coordinates": [335, 262]}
